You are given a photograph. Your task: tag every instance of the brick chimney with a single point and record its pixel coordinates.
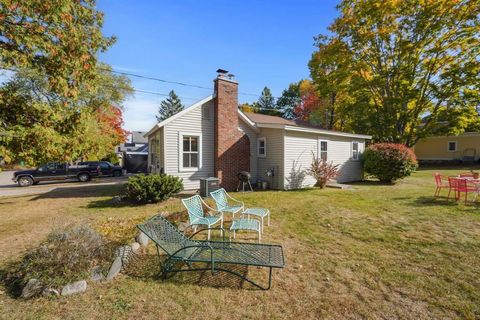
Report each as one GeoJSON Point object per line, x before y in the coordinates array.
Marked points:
{"type": "Point", "coordinates": [232, 146]}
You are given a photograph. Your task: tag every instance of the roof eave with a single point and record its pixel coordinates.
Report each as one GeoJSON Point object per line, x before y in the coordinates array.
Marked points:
{"type": "Point", "coordinates": [178, 115]}
{"type": "Point", "coordinates": [247, 120]}
{"type": "Point", "coordinates": [312, 130]}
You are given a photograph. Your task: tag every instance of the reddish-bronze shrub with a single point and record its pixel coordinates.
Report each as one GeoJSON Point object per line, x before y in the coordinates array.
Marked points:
{"type": "Point", "coordinates": [389, 161]}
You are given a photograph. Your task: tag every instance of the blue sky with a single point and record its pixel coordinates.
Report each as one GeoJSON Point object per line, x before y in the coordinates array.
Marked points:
{"type": "Point", "coordinates": [264, 43]}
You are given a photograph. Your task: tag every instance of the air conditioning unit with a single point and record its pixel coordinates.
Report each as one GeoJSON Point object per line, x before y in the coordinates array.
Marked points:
{"type": "Point", "coordinates": [208, 185]}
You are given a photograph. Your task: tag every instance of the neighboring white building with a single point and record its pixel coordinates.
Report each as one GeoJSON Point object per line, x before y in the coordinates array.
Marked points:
{"type": "Point", "coordinates": [133, 155]}
{"type": "Point", "coordinates": [214, 138]}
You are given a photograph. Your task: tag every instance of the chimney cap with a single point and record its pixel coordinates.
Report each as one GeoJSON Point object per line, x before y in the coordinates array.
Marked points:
{"type": "Point", "coordinates": [222, 71]}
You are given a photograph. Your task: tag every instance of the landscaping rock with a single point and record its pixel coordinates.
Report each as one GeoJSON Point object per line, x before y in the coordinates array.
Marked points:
{"type": "Point", "coordinates": [142, 239]}
{"type": "Point", "coordinates": [135, 246]}
{"type": "Point", "coordinates": [164, 214]}
{"type": "Point", "coordinates": [115, 268]}
{"type": "Point", "coordinates": [97, 274]}
{"type": "Point", "coordinates": [50, 292]}
{"type": "Point", "coordinates": [32, 289]}
{"type": "Point", "coordinates": [74, 288]}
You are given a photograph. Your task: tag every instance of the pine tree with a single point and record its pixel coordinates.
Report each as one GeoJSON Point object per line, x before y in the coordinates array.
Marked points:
{"type": "Point", "coordinates": [266, 103]}
{"type": "Point", "coordinates": [170, 106]}
{"type": "Point", "coordinates": [266, 100]}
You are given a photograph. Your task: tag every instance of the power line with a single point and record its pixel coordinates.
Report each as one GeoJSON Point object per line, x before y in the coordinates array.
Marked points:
{"type": "Point", "coordinates": [161, 80]}
{"type": "Point", "coordinates": [156, 79]}
{"type": "Point", "coordinates": [129, 89]}
{"type": "Point", "coordinates": [146, 91]}
{"type": "Point", "coordinates": [172, 82]}
{"type": "Point", "coordinates": [168, 81]}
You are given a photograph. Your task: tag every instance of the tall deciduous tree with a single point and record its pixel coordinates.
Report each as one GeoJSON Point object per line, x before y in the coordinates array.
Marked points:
{"type": "Point", "coordinates": [46, 126]}
{"type": "Point", "coordinates": [247, 107]}
{"type": "Point", "coordinates": [309, 103]}
{"type": "Point", "coordinates": [405, 62]}
{"type": "Point", "coordinates": [60, 39]}
{"type": "Point", "coordinates": [170, 106]}
{"type": "Point", "coordinates": [330, 71]}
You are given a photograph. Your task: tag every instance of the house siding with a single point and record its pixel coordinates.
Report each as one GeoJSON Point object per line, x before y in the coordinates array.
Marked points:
{"type": "Point", "coordinates": [298, 157]}
{"type": "Point", "coordinates": [252, 135]}
{"type": "Point", "coordinates": [191, 123]}
{"type": "Point", "coordinates": [156, 153]}
{"type": "Point", "coordinates": [274, 157]}
{"type": "Point", "coordinates": [340, 152]}
{"type": "Point", "coordinates": [436, 148]}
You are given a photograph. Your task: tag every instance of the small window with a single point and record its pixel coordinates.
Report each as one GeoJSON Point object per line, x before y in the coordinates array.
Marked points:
{"type": "Point", "coordinates": [190, 152]}
{"type": "Point", "coordinates": [355, 153]}
{"type": "Point", "coordinates": [262, 147]}
{"type": "Point", "coordinates": [452, 146]}
{"type": "Point", "coordinates": [323, 150]}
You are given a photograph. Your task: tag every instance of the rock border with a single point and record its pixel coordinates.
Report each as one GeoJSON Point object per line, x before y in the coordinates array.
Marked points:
{"type": "Point", "coordinates": [124, 255]}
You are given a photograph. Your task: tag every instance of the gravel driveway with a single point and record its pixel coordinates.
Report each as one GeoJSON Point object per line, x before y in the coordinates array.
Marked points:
{"type": "Point", "coordinates": [9, 188]}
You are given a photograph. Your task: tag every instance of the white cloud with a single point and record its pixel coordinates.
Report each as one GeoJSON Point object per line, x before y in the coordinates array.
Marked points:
{"type": "Point", "coordinates": [125, 69]}
{"type": "Point", "coordinates": [139, 114]}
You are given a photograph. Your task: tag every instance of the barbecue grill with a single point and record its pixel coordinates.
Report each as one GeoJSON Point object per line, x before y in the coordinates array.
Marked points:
{"type": "Point", "coordinates": [244, 179]}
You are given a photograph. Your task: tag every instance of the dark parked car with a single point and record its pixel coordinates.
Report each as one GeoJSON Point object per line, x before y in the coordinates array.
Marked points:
{"type": "Point", "coordinates": [106, 168]}
{"type": "Point", "coordinates": [55, 171]}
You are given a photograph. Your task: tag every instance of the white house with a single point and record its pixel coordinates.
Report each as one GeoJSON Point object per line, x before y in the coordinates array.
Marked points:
{"type": "Point", "coordinates": [214, 138]}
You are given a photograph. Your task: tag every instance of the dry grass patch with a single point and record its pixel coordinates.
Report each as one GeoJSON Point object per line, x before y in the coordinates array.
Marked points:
{"type": "Point", "coordinates": [376, 252]}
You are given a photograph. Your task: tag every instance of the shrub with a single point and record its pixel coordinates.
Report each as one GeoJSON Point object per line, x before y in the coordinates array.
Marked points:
{"type": "Point", "coordinates": [65, 256]}
{"type": "Point", "coordinates": [322, 171]}
{"type": "Point", "coordinates": [152, 188]}
{"type": "Point", "coordinates": [389, 161]}
{"type": "Point", "coordinates": [112, 158]}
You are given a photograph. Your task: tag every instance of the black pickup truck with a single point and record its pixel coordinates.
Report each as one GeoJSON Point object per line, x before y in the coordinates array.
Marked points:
{"type": "Point", "coordinates": [107, 169]}
{"type": "Point", "coordinates": [55, 171]}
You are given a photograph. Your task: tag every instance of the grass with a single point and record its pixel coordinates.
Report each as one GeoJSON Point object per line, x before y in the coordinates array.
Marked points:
{"type": "Point", "coordinates": [378, 251]}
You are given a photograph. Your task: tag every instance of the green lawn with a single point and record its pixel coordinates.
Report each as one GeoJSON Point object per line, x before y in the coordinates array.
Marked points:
{"type": "Point", "coordinates": [379, 251]}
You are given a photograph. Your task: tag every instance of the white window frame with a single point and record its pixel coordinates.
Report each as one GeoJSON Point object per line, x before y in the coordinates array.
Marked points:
{"type": "Point", "coordinates": [319, 151]}
{"type": "Point", "coordinates": [358, 150]}
{"type": "Point", "coordinates": [264, 155]}
{"type": "Point", "coordinates": [181, 168]}
{"type": "Point", "coordinates": [448, 146]}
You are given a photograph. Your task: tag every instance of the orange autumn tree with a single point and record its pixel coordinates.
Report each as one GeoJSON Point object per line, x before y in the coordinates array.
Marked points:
{"type": "Point", "coordinates": [309, 101]}
{"type": "Point", "coordinates": [111, 122]}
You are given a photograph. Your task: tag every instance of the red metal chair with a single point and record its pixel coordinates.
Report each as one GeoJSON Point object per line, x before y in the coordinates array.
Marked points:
{"type": "Point", "coordinates": [466, 175]}
{"type": "Point", "coordinates": [452, 185]}
{"type": "Point", "coordinates": [440, 184]}
{"type": "Point", "coordinates": [465, 186]}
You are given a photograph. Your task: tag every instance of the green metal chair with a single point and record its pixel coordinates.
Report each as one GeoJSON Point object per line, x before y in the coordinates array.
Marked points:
{"type": "Point", "coordinates": [222, 199]}
{"type": "Point", "coordinates": [197, 216]}
{"type": "Point", "coordinates": [183, 250]}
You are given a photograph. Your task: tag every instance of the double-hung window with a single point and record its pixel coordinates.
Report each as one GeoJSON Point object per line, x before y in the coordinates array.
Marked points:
{"type": "Point", "coordinates": [323, 149]}
{"type": "Point", "coordinates": [262, 147]}
{"type": "Point", "coordinates": [355, 151]}
{"type": "Point", "coordinates": [452, 146]}
{"type": "Point", "coordinates": [190, 152]}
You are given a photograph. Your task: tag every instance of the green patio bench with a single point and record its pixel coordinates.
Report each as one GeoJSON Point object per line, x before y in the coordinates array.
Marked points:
{"type": "Point", "coordinates": [187, 251]}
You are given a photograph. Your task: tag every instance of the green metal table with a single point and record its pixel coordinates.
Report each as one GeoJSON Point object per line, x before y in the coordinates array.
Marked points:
{"type": "Point", "coordinates": [246, 224]}
{"type": "Point", "coordinates": [259, 212]}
